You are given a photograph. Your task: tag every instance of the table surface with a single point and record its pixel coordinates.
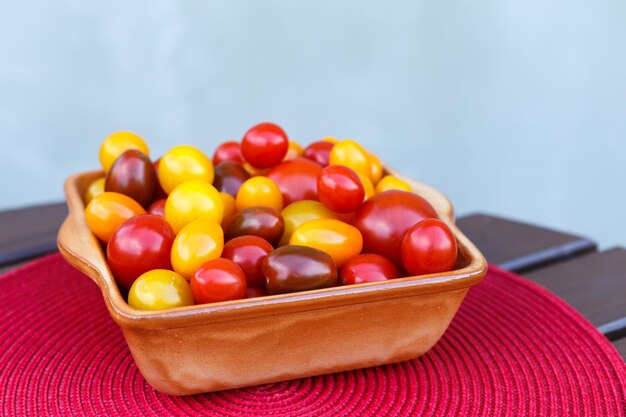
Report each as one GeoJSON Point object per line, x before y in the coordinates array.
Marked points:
{"type": "Point", "coordinates": [592, 281]}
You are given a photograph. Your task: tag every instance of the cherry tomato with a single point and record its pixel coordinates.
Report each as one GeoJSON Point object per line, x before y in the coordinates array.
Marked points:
{"type": "Point", "coordinates": [218, 280]}
{"type": "Point", "coordinates": [160, 192]}
{"type": "Point", "coordinates": [254, 292]}
{"type": "Point", "coordinates": [264, 222]}
{"type": "Point", "coordinates": [229, 176]}
{"type": "Point", "coordinates": [193, 200]}
{"type": "Point", "coordinates": [300, 212]}
{"type": "Point", "coordinates": [133, 174]}
{"type": "Point", "coordinates": [294, 150]}
{"type": "Point", "coordinates": [264, 145]}
{"type": "Point", "coordinates": [248, 252]}
{"type": "Point", "coordinates": [297, 179]}
{"type": "Point", "coordinates": [95, 188]}
{"type": "Point", "coordinates": [368, 187]}
{"type": "Point", "coordinates": [298, 268]}
{"type": "Point", "coordinates": [184, 163]}
{"type": "Point", "coordinates": [107, 211]}
{"type": "Point", "coordinates": [349, 153]}
{"type": "Point", "coordinates": [228, 151]}
{"type": "Point", "coordinates": [368, 267]}
{"type": "Point", "coordinates": [229, 209]}
{"type": "Point", "coordinates": [160, 289]}
{"type": "Point", "coordinates": [116, 144]}
{"type": "Point", "coordinates": [255, 172]}
{"type": "Point", "coordinates": [428, 247]}
{"type": "Point", "coordinates": [340, 188]}
{"type": "Point", "coordinates": [338, 239]}
{"type": "Point", "coordinates": [330, 139]}
{"type": "Point", "coordinates": [384, 218]}
{"type": "Point", "coordinates": [197, 243]}
{"type": "Point", "coordinates": [318, 152]}
{"type": "Point", "coordinates": [259, 191]}
{"type": "Point", "coordinates": [376, 168]}
{"type": "Point", "coordinates": [158, 207]}
{"type": "Point", "coordinates": [142, 243]}
{"type": "Point", "coordinates": [389, 182]}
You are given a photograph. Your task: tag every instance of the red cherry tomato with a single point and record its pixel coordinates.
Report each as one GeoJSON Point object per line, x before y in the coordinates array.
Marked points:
{"type": "Point", "coordinates": [368, 267]}
{"type": "Point", "coordinates": [319, 152]}
{"type": "Point", "coordinates": [158, 207]}
{"type": "Point", "coordinates": [296, 179]}
{"type": "Point", "coordinates": [384, 218]}
{"type": "Point", "coordinates": [249, 252]}
{"type": "Point", "coordinates": [428, 247]}
{"type": "Point", "coordinates": [218, 280]}
{"type": "Point", "coordinates": [340, 189]}
{"type": "Point", "coordinates": [264, 145]}
{"type": "Point", "coordinates": [142, 243]}
{"type": "Point", "coordinates": [228, 151]}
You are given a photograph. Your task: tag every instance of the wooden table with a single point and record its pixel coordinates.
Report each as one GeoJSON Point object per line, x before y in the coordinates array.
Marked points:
{"type": "Point", "coordinates": [592, 281]}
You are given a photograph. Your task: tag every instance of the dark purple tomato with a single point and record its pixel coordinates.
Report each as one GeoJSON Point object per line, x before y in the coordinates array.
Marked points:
{"type": "Point", "coordinates": [340, 189]}
{"type": "Point", "coordinates": [158, 207]}
{"type": "Point", "coordinates": [248, 252]}
{"type": "Point", "coordinates": [264, 145]}
{"type": "Point", "coordinates": [428, 247]}
{"type": "Point", "coordinates": [295, 268]}
{"type": "Point", "coordinates": [319, 152]}
{"type": "Point", "coordinates": [367, 267]}
{"type": "Point", "coordinates": [141, 244]}
{"type": "Point", "coordinates": [384, 218]}
{"type": "Point", "coordinates": [261, 221]}
{"type": "Point", "coordinates": [133, 174]}
{"type": "Point", "coordinates": [229, 176]}
{"type": "Point", "coordinates": [218, 280]}
{"type": "Point", "coordinates": [254, 292]}
{"type": "Point", "coordinates": [228, 151]}
{"type": "Point", "coordinates": [160, 193]}
{"type": "Point", "coordinates": [296, 179]}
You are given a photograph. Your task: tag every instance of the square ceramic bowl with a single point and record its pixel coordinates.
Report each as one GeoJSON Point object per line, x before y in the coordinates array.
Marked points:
{"type": "Point", "coordinates": [240, 343]}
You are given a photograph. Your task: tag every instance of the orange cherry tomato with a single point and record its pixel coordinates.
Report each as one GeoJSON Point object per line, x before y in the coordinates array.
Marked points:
{"type": "Point", "coordinates": [330, 139]}
{"type": "Point", "coordinates": [294, 151]}
{"type": "Point", "coordinates": [376, 168]}
{"type": "Point", "coordinates": [184, 163]}
{"type": "Point", "coordinates": [230, 209]}
{"type": "Point", "coordinates": [107, 211]}
{"type": "Point", "coordinates": [159, 289]}
{"type": "Point", "coordinates": [197, 243]}
{"type": "Point", "coordinates": [118, 143]}
{"type": "Point", "coordinates": [300, 212]}
{"type": "Point", "coordinates": [368, 187]}
{"type": "Point", "coordinates": [338, 239]}
{"type": "Point", "coordinates": [259, 191]}
{"type": "Point", "coordinates": [193, 200]}
{"type": "Point", "coordinates": [389, 182]}
{"type": "Point", "coordinates": [349, 153]}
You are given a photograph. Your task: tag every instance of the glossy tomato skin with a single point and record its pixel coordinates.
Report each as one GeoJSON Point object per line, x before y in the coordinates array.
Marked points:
{"type": "Point", "coordinates": [218, 280]}
{"type": "Point", "coordinates": [116, 144]}
{"type": "Point", "coordinates": [107, 211]}
{"type": "Point", "coordinates": [229, 176]}
{"type": "Point", "coordinates": [133, 174]}
{"type": "Point", "coordinates": [340, 189]}
{"type": "Point", "coordinates": [391, 182]}
{"type": "Point", "coordinates": [351, 154]}
{"type": "Point", "coordinates": [384, 218]}
{"type": "Point", "coordinates": [228, 151]}
{"type": "Point", "coordinates": [319, 152]}
{"type": "Point", "coordinates": [95, 188]}
{"type": "Point", "coordinates": [298, 268]}
{"type": "Point", "coordinates": [296, 179]}
{"type": "Point", "coordinates": [264, 145]}
{"type": "Point", "coordinates": [294, 150]}
{"type": "Point", "coordinates": [261, 221]}
{"type": "Point", "coordinates": [198, 242]}
{"type": "Point", "coordinates": [367, 267]}
{"type": "Point", "coordinates": [158, 207]}
{"type": "Point", "coordinates": [429, 247]}
{"type": "Point", "coordinates": [249, 252]}
{"type": "Point", "coordinates": [193, 200]}
{"type": "Point", "coordinates": [300, 212]}
{"type": "Point", "coordinates": [142, 243]}
{"type": "Point", "coordinates": [181, 164]}
{"type": "Point", "coordinates": [159, 289]}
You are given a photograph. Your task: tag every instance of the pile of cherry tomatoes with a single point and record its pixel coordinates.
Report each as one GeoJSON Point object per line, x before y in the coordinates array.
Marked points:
{"type": "Point", "coordinates": [263, 216]}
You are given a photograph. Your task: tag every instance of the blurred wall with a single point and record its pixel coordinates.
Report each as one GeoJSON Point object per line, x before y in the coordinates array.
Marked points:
{"type": "Point", "coordinates": [511, 107]}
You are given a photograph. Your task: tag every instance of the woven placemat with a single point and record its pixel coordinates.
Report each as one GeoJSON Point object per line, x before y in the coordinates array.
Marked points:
{"type": "Point", "coordinates": [513, 349]}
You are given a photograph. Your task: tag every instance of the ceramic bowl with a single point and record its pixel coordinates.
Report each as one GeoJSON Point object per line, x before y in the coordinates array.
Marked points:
{"type": "Point", "coordinates": [247, 342]}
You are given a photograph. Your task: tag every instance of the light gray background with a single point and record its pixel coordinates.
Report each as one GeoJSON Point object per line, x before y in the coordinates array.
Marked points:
{"type": "Point", "coordinates": [511, 107]}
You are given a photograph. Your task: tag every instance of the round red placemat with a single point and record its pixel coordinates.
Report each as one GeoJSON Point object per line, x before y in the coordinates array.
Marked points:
{"type": "Point", "coordinates": [512, 350]}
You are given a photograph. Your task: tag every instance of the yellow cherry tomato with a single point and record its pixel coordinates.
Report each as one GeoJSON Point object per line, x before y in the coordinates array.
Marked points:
{"type": "Point", "coordinates": [159, 289]}
{"type": "Point", "coordinates": [376, 168]}
{"type": "Point", "coordinates": [118, 143]}
{"type": "Point", "coordinates": [330, 139]}
{"type": "Point", "coordinates": [193, 200]}
{"type": "Point", "coordinates": [259, 191]}
{"type": "Point", "coordinates": [367, 185]}
{"type": "Point", "coordinates": [338, 239]}
{"type": "Point", "coordinates": [95, 188]}
{"type": "Point", "coordinates": [197, 243]}
{"type": "Point", "coordinates": [294, 151]}
{"type": "Point", "coordinates": [300, 212]}
{"type": "Point", "coordinates": [230, 209]}
{"type": "Point", "coordinates": [107, 211]}
{"type": "Point", "coordinates": [184, 163]}
{"type": "Point", "coordinates": [389, 182]}
{"type": "Point", "coordinates": [349, 153]}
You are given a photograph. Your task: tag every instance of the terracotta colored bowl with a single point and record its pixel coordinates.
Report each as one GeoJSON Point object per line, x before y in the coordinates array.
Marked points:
{"type": "Point", "coordinates": [255, 341]}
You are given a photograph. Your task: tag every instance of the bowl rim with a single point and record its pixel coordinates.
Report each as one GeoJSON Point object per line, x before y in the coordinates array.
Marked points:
{"type": "Point", "coordinates": [81, 249]}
